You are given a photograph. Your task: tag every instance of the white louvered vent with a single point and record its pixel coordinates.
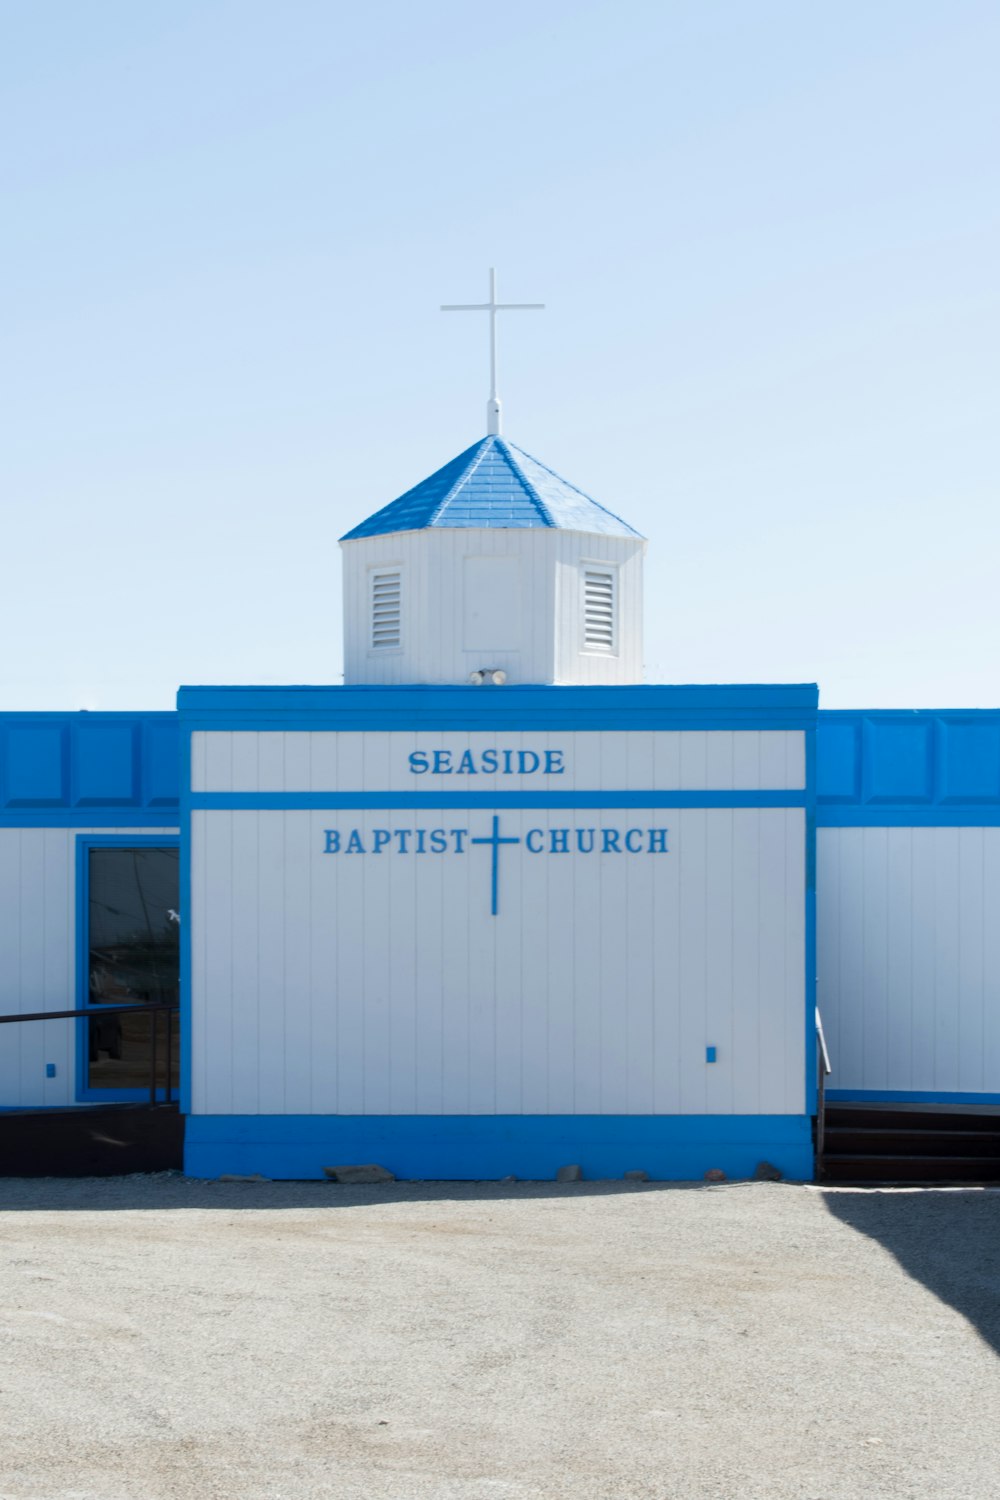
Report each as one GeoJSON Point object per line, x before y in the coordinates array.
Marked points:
{"type": "Point", "coordinates": [599, 609]}
{"type": "Point", "coordinates": [387, 599]}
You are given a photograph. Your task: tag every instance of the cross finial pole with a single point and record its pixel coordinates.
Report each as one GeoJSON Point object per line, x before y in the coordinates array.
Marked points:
{"type": "Point", "coordinates": [493, 340]}
{"type": "Point", "coordinates": [493, 413]}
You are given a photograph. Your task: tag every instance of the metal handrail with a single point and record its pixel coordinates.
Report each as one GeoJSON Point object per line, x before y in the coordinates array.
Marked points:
{"type": "Point", "coordinates": [153, 1009]}
{"type": "Point", "coordinates": [823, 1068]}
{"type": "Point", "coordinates": [824, 1054]}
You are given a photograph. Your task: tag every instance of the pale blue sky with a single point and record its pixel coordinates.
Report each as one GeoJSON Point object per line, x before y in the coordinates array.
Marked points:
{"type": "Point", "coordinates": [768, 235]}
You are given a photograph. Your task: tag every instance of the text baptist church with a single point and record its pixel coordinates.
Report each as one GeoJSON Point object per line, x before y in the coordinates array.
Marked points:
{"type": "Point", "coordinates": [536, 841]}
{"type": "Point", "coordinates": [495, 905]}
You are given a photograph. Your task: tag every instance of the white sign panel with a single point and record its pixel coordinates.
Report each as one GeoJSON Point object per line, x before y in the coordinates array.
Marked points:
{"type": "Point", "coordinates": [625, 760]}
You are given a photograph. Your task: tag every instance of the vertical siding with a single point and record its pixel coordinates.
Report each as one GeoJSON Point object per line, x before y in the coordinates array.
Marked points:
{"type": "Point", "coordinates": [382, 984]}
{"type": "Point", "coordinates": [38, 960]}
{"type": "Point", "coordinates": [908, 948]}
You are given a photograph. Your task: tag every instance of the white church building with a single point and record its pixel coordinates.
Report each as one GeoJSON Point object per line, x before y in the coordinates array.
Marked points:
{"type": "Point", "coordinates": [494, 905]}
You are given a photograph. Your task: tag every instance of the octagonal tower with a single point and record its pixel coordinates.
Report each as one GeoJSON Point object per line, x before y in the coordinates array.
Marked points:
{"type": "Point", "coordinates": [494, 564]}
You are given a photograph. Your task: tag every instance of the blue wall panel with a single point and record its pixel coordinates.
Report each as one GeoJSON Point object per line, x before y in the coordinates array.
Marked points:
{"type": "Point", "coordinates": [838, 764]}
{"type": "Point", "coordinates": [160, 760]}
{"type": "Point", "coordinates": [36, 765]}
{"type": "Point", "coordinates": [105, 765]}
{"type": "Point", "coordinates": [970, 761]}
{"type": "Point", "coordinates": [898, 760]}
{"type": "Point", "coordinates": [919, 768]}
{"type": "Point", "coordinates": [89, 768]}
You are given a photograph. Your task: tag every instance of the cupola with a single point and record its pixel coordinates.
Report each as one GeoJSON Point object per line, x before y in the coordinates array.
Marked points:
{"type": "Point", "coordinates": [493, 569]}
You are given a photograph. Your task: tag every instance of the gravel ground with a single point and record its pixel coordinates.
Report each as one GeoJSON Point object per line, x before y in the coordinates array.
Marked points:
{"type": "Point", "coordinates": [167, 1338]}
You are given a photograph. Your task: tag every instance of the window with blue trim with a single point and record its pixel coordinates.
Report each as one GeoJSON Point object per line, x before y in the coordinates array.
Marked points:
{"type": "Point", "coordinates": [133, 958]}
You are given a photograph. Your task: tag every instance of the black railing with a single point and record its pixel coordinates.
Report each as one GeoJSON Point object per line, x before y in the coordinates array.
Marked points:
{"type": "Point", "coordinates": [96, 1012]}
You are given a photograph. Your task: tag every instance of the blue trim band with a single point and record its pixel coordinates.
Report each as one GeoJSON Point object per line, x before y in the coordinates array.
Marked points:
{"type": "Point", "coordinates": [906, 1096]}
{"type": "Point", "coordinates": [463, 708]}
{"type": "Point", "coordinates": [908, 817]}
{"type": "Point", "coordinates": [326, 801]}
{"type": "Point", "coordinates": [470, 722]}
{"type": "Point", "coordinates": [91, 817]}
{"type": "Point", "coordinates": [18, 717]}
{"type": "Point", "coordinates": [671, 1148]}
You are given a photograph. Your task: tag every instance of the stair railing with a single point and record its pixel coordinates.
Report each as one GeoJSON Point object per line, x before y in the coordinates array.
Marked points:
{"type": "Point", "coordinates": [823, 1069]}
{"type": "Point", "coordinates": [152, 1009]}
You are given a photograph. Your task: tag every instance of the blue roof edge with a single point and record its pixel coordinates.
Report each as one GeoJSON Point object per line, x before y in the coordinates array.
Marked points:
{"type": "Point", "coordinates": [450, 706]}
{"type": "Point", "coordinates": [800, 692]}
{"type": "Point", "coordinates": [904, 714]}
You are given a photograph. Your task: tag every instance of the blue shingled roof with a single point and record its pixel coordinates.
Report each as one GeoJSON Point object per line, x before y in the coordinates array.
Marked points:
{"type": "Point", "coordinates": [493, 484]}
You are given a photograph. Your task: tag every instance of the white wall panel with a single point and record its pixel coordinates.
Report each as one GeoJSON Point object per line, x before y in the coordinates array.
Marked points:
{"type": "Point", "coordinates": [382, 984]}
{"type": "Point", "coordinates": [37, 960]}
{"type": "Point", "coordinates": [634, 760]}
{"type": "Point", "coordinates": [240, 870]}
{"type": "Point", "coordinates": [908, 950]}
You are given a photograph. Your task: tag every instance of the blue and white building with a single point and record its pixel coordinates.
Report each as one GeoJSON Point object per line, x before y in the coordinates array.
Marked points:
{"type": "Point", "coordinates": [494, 905]}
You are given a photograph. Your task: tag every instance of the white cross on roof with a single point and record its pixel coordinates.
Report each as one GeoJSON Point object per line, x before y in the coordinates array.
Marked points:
{"type": "Point", "coordinates": [492, 307]}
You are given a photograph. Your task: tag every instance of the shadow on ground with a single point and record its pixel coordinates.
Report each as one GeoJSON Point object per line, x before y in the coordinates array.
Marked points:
{"type": "Point", "coordinates": [948, 1240]}
{"type": "Point", "coordinates": [169, 1190]}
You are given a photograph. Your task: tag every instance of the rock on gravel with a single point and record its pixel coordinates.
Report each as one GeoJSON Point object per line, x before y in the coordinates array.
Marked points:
{"type": "Point", "coordinates": [357, 1176]}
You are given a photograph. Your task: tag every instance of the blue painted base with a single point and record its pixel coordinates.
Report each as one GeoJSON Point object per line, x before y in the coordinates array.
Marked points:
{"type": "Point", "coordinates": [449, 1148]}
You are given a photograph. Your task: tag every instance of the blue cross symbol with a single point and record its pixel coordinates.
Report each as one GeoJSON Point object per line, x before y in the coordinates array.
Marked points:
{"type": "Point", "coordinates": [496, 841]}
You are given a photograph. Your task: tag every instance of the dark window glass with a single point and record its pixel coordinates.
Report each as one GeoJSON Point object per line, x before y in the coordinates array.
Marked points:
{"type": "Point", "coordinates": [133, 942]}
